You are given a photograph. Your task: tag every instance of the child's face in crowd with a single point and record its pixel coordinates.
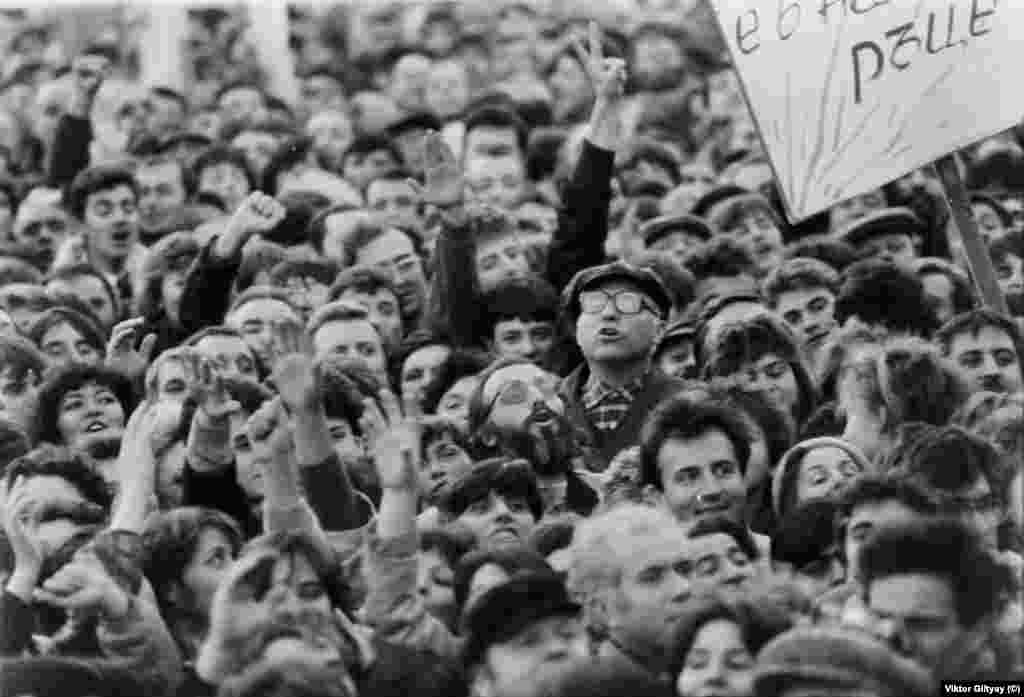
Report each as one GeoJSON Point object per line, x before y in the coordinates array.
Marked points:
{"type": "Point", "coordinates": [678, 359]}
{"type": "Point", "coordinates": [500, 258]}
{"type": "Point", "coordinates": [112, 220]}
{"type": "Point", "coordinates": [529, 339]}
{"type": "Point", "coordinates": [231, 355]}
{"type": "Point", "coordinates": [161, 194]}
{"type": "Point", "coordinates": [447, 89]}
{"type": "Point", "coordinates": [717, 663]}
{"type": "Point", "coordinates": [701, 477]}
{"type": "Point", "coordinates": [63, 344]}
{"type": "Point", "coordinates": [719, 564]}
{"type": "Point", "coordinates": [988, 359]}
{"type": "Point", "coordinates": [18, 397]}
{"type": "Point", "coordinates": [257, 319]}
{"type": "Point", "coordinates": [454, 403]}
{"type": "Point", "coordinates": [383, 310]}
{"type": "Point", "coordinates": [226, 181]}
{"type": "Point", "coordinates": [88, 416]}
{"type": "Point", "coordinates": [498, 181]}
{"type": "Point", "coordinates": [865, 520]}
{"type": "Point", "coordinates": [445, 461]}
{"type": "Point", "coordinates": [356, 339]}
{"type": "Point", "coordinates": [394, 253]}
{"type": "Point", "coordinates": [810, 313]}
{"type": "Point", "coordinates": [824, 474]}
{"type": "Point", "coordinates": [420, 369]}
{"type": "Point", "coordinates": [989, 223]}
{"type": "Point", "coordinates": [610, 335]}
{"type": "Point", "coordinates": [498, 520]}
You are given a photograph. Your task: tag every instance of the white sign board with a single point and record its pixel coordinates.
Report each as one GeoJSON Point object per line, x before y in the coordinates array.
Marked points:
{"type": "Point", "coordinates": [851, 94]}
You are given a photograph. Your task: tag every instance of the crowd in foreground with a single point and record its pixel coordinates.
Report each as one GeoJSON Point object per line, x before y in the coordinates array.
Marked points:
{"type": "Point", "coordinates": [491, 367]}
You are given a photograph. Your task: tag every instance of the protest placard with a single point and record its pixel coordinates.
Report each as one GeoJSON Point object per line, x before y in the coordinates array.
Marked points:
{"type": "Point", "coordinates": [851, 94]}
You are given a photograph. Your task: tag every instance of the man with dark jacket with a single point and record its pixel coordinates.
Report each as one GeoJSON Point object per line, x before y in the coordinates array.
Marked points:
{"type": "Point", "coordinates": [619, 312]}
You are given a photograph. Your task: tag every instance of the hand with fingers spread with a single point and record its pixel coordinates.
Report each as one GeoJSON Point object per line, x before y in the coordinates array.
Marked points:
{"type": "Point", "coordinates": [297, 379]}
{"type": "Point", "coordinates": [85, 586]}
{"type": "Point", "coordinates": [443, 185]}
{"type": "Point", "coordinates": [210, 394]}
{"type": "Point", "coordinates": [125, 353]}
{"type": "Point", "coordinates": [394, 441]}
{"type": "Point", "coordinates": [288, 338]}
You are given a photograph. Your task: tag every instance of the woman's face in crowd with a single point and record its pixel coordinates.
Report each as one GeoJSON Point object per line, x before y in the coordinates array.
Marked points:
{"type": "Point", "coordinates": [498, 259]}
{"type": "Point", "coordinates": [227, 181]}
{"type": "Point", "coordinates": [447, 89]}
{"type": "Point", "coordinates": [774, 377]}
{"type": "Point", "coordinates": [436, 583]}
{"type": "Point", "coordinates": [719, 564]}
{"type": "Point", "coordinates": [825, 473]}
{"type": "Point", "coordinates": [63, 344]}
{"type": "Point", "coordinates": [570, 85]}
{"type": "Point", "coordinates": [454, 403]}
{"type": "Point", "coordinates": [18, 397]}
{"type": "Point", "coordinates": [90, 415]}
{"type": "Point", "coordinates": [497, 520]}
{"type": "Point", "coordinates": [718, 664]}
{"type": "Point", "coordinates": [230, 354]}
{"type": "Point", "coordinates": [210, 561]}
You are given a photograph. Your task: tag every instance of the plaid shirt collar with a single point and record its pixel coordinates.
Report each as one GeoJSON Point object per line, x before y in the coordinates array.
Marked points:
{"type": "Point", "coordinates": [596, 391]}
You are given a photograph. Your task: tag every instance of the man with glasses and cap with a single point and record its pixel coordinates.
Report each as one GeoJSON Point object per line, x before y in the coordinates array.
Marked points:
{"type": "Point", "coordinates": [619, 312]}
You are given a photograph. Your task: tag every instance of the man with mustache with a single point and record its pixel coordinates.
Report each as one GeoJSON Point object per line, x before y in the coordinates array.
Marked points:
{"type": "Point", "coordinates": [987, 347]}
{"type": "Point", "coordinates": [75, 589]}
{"type": "Point", "coordinates": [516, 412]}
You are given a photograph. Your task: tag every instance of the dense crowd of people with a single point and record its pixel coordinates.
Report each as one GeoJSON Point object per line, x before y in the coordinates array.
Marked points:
{"type": "Point", "coordinates": [490, 366]}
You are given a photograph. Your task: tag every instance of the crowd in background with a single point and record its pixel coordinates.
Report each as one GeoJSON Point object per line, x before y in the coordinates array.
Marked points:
{"type": "Point", "coordinates": [488, 365]}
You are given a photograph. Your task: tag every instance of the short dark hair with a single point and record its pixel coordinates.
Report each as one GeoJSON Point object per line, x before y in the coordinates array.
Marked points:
{"type": "Point", "coordinates": [222, 154]}
{"type": "Point", "coordinates": [719, 257]}
{"type": "Point", "coordinates": [798, 274]}
{"type": "Point", "coordinates": [53, 461]}
{"type": "Point", "coordinates": [82, 324]}
{"type": "Point", "coordinates": [973, 322]}
{"type": "Point", "coordinates": [94, 180]}
{"type": "Point", "coordinates": [881, 292]}
{"type": "Point", "coordinates": [686, 419]}
{"type": "Point", "coordinates": [367, 232]}
{"type": "Point", "coordinates": [947, 459]}
{"type": "Point", "coordinates": [322, 270]}
{"type": "Point", "coordinates": [943, 548]}
{"type": "Point", "coordinates": [506, 477]}
{"type": "Point", "coordinates": [362, 279]}
{"type": "Point", "coordinates": [530, 299]}
{"type": "Point", "coordinates": [499, 118]}
{"type": "Point", "coordinates": [73, 377]}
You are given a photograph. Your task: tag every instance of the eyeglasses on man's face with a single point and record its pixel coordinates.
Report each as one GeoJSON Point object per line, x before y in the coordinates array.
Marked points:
{"type": "Point", "coordinates": [626, 302]}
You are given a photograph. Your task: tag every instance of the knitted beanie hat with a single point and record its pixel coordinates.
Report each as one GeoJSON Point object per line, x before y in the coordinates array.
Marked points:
{"type": "Point", "coordinates": [784, 477]}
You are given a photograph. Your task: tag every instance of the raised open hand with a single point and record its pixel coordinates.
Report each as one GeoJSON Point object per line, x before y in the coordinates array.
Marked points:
{"type": "Point", "coordinates": [125, 353]}
{"type": "Point", "coordinates": [288, 337]}
{"type": "Point", "coordinates": [297, 379]}
{"type": "Point", "coordinates": [393, 439]}
{"type": "Point", "coordinates": [607, 75]}
{"type": "Point", "coordinates": [443, 183]}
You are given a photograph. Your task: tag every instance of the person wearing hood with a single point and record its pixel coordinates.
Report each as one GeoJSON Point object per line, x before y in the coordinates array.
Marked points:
{"type": "Point", "coordinates": [819, 468]}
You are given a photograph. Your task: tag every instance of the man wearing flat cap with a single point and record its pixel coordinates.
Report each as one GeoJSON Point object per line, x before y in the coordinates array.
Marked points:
{"type": "Point", "coordinates": [619, 312]}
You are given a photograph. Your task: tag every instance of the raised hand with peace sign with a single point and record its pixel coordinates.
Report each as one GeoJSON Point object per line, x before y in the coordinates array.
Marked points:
{"type": "Point", "coordinates": [608, 77]}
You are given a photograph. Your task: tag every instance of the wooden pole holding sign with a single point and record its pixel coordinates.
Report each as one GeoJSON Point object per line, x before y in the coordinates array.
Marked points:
{"type": "Point", "coordinates": [977, 252]}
